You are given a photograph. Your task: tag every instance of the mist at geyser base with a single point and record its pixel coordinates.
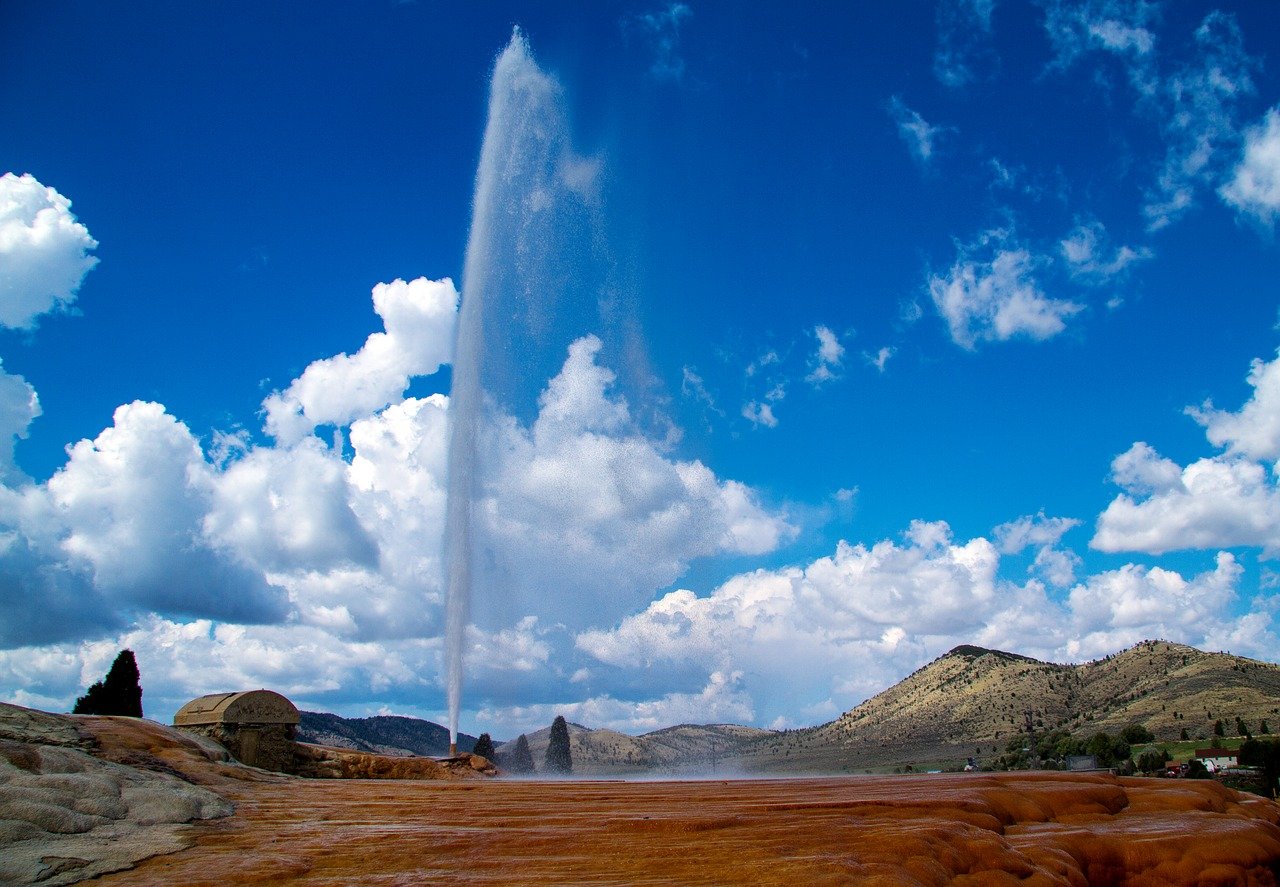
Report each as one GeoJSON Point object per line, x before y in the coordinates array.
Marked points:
{"type": "Point", "coordinates": [535, 271]}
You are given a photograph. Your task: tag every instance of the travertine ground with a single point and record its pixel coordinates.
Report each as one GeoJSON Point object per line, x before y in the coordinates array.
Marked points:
{"type": "Point", "coordinates": [1034, 829]}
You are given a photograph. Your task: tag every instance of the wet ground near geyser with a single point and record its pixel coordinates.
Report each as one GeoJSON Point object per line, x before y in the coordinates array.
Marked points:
{"type": "Point", "coordinates": [960, 829]}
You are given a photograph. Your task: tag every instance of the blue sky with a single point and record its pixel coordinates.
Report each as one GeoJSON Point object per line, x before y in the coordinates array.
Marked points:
{"type": "Point", "coordinates": [954, 322]}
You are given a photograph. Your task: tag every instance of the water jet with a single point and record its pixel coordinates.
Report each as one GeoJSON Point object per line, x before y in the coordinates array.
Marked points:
{"type": "Point", "coordinates": [524, 183]}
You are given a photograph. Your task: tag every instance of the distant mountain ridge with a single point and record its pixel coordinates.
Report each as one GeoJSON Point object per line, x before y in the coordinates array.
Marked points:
{"type": "Point", "coordinates": [381, 734]}
{"type": "Point", "coordinates": [683, 749]}
{"type": "Point", "coordinates": [969, 702]}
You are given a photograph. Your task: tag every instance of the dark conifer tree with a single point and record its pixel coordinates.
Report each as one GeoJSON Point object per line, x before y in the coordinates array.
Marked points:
{"type": "Point", "coordinates": [521, 759]}
{"type": "Point", "coordinates": [483, 746]}
{"type": "Point", "coordinates": [558, 757]}
{"type": "Point", "coordinates": [119, 693]}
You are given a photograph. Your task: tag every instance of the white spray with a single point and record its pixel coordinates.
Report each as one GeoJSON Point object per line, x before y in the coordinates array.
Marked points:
{"type": "Point", "coordinates": [519, 187]}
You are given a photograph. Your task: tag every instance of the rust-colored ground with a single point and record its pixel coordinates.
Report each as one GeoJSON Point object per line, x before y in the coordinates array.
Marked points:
{"type": "Point", "coordinates": [954, 829]}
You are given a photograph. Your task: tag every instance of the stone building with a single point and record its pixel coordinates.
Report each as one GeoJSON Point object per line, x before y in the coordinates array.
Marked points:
{"type": "Point", "coordinates": [255, 726]}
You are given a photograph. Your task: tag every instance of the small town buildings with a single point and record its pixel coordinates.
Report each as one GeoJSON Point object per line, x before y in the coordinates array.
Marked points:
{"type": "Point", "coordinates": [256, 726]}
{"type": "Point", "coordinates": [1215, 759]}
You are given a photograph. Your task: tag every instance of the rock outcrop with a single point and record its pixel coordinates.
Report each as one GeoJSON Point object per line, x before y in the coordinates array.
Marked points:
{"type": "Point", "coordinates": [324, 762]}
{"type": "Point", "coordinates": [69, 813]}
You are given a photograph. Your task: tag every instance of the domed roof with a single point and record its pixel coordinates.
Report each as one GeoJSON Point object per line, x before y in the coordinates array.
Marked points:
{"type": "Point", "coordinates": [245, 707]}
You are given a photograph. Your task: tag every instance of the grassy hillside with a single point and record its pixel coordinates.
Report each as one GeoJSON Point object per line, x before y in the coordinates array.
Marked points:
{"type": "Point", "coordinates": [971, 701]}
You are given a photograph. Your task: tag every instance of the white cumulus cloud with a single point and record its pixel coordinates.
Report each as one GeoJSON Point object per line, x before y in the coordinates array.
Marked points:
{"type": "Point", "coordinates": [1224, 500]}
{"type": "Point", "coordinates": [848, 625]}
{"type": "Point", "coordinates": [1253, 431]}
{"type": "Point", "coordinates": [44, 251]}
{"type": "Point", "coordinates": [419, 319]}
{"type": "Point", "coordinates": [1212, 503]}
{"type": "Point", "coordinates": [129, 505]}
{"type": "Point", "coordinates": [1255, 185]}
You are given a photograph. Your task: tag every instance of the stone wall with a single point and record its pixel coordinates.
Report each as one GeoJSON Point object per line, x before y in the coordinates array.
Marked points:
{"type": "Point", "coordinates": [269, 746]}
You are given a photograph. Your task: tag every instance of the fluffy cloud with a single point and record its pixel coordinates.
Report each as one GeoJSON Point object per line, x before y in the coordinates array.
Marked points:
{"type": "Point", "coordinates": [1255, 186]}
{"type": "Point", "coordinates": [1017, 535]}
{"type": "Point", "coordinates": [288, 509]}
{"type": "Point", "coordinates": [1254, 431]}
{"type": "Point", "coordinates": [918, 135]}
{"type": "Point", "coordinates": [418, 317]}
{"type": "Point", "coordinates": [720, 701]}
{"type": "Point", "coordinates": [19, 406]}
{"type": "Point", "coordinates": [132, 502]}
{"type": "Point", "coordinates": [1213, 502]}
{"type": "Point", "coordinates": [183, 659]}
{"type": "Point", "coordinates": [997, 298]}
{"type": "Point", "coordinates": [1118, 608]}
{"type": "Point", "coordinates": [801, 633]}
{"type": "Point", "coordinates": [1218, 501]}
{"type": "Point", "coordinates": [850, 624]}
{"type": "Point", "coordinates": [44, 251]}
{"type": "Point", "coordinates": [583, 503]}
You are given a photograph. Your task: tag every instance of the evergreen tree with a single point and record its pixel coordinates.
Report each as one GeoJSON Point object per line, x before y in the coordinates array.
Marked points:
{"type": "Point", "coordinates": [558, 757]}
{"type": "Point", "coordinates": [119, 693]}
{"type": "Point", "coordinates": [1183, 735]}
{"type": "Point", "coordinates": [1218, 729]}
{"type": "Point", "coordinates": [521, 760]}
{"type": "Point", "coordinates": [1266, 757]}
{"type": "Point", "coordinates": [1263, 728]}
{"type": "Point", "coordinates": [483, 747]}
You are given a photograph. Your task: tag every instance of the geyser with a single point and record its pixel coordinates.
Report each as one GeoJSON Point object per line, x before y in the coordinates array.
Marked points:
{"type": "Point", "coordinates": [530, 193]}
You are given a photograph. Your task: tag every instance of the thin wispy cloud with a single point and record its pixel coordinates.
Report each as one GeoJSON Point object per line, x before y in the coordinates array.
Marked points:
{"type": "Point", "coordinates": [1090, 257]}
{"type": "Point", "coordinates": [1122, 29]}
{"type": "Point", "coordinates": [992, 293]}
{"type": "Point", "coordinates": [1201, 111]}
{"type": "Point", "coordinates": [920, 137]}
{"type": "Point", "coordinates": [963, 41]}
{"type": "Point", "coordinates": [759, 414]}
{"type": "Point", "coordinates": [659, 30]}
{"type": "Point", "coordinates": [828, 360]}
{"type": "Point", "coordinates": [880, 359]}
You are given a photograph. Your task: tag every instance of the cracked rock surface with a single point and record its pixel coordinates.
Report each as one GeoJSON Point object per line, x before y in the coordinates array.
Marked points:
{"type": "Point", "coordinates": [67, 814]}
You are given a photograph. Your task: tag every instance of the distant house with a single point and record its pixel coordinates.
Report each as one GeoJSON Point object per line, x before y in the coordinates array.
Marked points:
{"type": "Point", "coordinates": [1082, 762]}
{"type": "Point", "coordinates": [256, 726]}
{"type": "Point", "coordinates": [1215, 759]}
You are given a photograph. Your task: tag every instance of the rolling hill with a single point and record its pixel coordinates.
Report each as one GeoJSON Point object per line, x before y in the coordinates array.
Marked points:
{"type": "Point", "coordinates": [971, 701]}
{"type": "Point", "coordinates": [382, 735]}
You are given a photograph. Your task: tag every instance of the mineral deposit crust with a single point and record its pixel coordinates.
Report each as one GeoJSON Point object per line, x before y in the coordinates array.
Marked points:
{"type": "Point", "coordinates": [1017, 828]}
